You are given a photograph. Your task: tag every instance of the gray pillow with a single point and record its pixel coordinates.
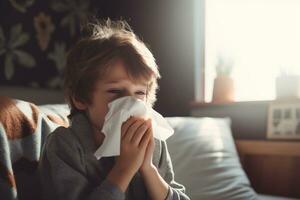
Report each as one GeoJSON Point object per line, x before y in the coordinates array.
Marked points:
{"type": "Point", "coordinates": [205, 159]}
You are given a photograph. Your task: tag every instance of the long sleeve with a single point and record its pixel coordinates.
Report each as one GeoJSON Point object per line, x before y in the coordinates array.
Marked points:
{"type": "Point", "coordinates": [62, 172]}
{"type": "Point", "coordinates": [176, 190]}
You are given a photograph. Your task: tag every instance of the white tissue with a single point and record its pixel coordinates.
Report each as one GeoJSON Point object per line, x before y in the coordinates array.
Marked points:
{"type": "Point", "coordinates": [119, 111]}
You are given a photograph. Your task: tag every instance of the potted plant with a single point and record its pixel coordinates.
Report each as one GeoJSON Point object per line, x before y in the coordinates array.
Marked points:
{"type": "Point", "coordinates": [223, 90]}
{"type": "Point", "coordinates": [287, 85]}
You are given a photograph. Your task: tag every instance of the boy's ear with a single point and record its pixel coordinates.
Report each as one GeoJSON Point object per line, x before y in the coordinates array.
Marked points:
{"type": "Point", "coordinates": [79, 104]}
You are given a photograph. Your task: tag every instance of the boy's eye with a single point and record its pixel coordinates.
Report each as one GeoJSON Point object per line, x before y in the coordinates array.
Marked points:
{"type": "Point", "coordinates": [115, 91]}
{"type": "Point", "coordinates": [140, 93]}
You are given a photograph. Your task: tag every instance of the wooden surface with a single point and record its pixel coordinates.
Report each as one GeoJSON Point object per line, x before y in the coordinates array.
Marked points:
{"type": "Point", "coordinates": [273, 167]}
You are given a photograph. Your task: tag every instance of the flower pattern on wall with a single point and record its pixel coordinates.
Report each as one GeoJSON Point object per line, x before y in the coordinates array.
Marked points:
{"type": "Point", "coordinates": [21, 5]}
{"type": "Point", "coordinates": [76, 11]}
{"type": "Point", "coordinates": [10, 49]}
{"type": "Point", "coordinates": [35, 36]}
{"type": "Point", "coordinates": [44, 28]}
{"type": "Point", "coordinates": [58, 56]}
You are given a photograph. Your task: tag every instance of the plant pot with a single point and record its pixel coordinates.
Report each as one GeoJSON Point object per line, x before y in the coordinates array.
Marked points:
{"type": "Point", "coordinates": [223, 90]}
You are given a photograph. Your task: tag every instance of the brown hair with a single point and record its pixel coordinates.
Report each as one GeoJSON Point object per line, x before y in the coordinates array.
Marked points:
{"type": "Point", "coordinates": [103, 43]}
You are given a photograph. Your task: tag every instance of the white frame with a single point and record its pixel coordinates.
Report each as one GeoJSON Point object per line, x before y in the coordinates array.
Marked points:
{"type": "Point", "coordinates": [199, 50]}
{"type": "Point", "coordinates": [283, 119]}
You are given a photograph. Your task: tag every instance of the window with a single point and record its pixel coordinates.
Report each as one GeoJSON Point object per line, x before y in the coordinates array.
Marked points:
{"type": "Point", "coordinates": [260, 37]}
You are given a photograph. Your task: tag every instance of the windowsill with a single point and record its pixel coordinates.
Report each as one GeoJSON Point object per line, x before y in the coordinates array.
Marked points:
{"type": "Point", "coordinates": [198, 104]}
{"type": "Point", "coordinates": [249, 119]}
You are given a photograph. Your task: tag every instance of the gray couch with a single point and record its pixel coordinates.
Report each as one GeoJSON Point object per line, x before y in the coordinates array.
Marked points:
{"type": "Point", "coordinates": [202, 150]}
{"type": "Point", "coordinates": [205, 160]}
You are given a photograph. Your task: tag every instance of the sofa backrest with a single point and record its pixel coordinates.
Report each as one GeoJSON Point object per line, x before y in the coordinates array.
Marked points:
{"type": "Point", "coordinates": [202, 150]}
{"type": "Point", "coordinates": [23, 129]}
{"type": "Point", "coordinates": [205, 159]}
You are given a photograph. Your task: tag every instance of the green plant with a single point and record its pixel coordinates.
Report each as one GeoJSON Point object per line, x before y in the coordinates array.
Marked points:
{"type": "Point", "coordinates": [224, 67]}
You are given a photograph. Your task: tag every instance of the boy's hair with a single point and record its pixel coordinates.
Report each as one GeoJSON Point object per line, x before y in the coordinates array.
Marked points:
{"type": "Point", "coordinates": [105, 42]}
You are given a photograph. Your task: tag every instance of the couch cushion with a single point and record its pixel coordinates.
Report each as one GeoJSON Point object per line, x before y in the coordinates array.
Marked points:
{"type": "Point", "coordinates": [205, 159]}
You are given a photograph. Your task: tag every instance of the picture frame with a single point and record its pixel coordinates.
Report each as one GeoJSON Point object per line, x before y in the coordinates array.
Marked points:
{"type": "Point", "coordinates": [284, 120]}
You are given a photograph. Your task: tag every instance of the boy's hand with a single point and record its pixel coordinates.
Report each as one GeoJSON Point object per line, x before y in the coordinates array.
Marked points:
{"type": "Point", "coordinates": [147, 163]}
{"type": "Point", "coordinates": [134, 142]}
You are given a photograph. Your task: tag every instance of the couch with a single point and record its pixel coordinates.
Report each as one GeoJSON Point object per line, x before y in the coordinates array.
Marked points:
{"type": "Point", "coordinates": [204, 156]}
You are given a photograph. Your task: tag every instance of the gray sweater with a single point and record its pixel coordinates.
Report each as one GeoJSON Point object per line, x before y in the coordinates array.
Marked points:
{"type": "Point", "coordinates": [69, 170]}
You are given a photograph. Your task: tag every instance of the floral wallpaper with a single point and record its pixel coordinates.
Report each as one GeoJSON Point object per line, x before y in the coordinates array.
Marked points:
{"type": "Point", "coordinates": [35, 36]}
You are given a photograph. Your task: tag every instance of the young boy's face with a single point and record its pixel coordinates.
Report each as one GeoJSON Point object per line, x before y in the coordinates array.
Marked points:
{"type": "Point", "coordinates": [114, 85]}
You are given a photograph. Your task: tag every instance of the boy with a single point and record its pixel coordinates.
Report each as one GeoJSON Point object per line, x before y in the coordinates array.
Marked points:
{"type": "Point", "coordinates": [108, 64]}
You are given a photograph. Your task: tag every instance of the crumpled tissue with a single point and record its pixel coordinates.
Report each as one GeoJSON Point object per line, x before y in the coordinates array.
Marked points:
{"type": "Point", "coordinates": [119, 111]}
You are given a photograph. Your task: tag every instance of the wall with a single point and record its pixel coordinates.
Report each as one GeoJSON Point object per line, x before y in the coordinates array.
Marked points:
{"type": "Point", "coordinates": [167, 26]}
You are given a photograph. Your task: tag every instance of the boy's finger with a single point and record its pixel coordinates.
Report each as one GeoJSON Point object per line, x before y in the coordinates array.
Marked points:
{"type": "Point", "coordinates": [126, 125]}
{"type": "Point", "coordinates": [132, 129]}
{"type": "Point", "coordinates": [146, 138]}
{"type": "Point", "coordinates": [140, 133]}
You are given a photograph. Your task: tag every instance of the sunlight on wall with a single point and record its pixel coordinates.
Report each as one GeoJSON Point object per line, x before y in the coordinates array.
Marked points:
{"type": "Point", "coordinates": [261, 37]}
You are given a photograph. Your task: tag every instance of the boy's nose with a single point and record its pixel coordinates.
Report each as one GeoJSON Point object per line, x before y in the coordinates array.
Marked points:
{"type": "Point", "coordinates": [128, 93]}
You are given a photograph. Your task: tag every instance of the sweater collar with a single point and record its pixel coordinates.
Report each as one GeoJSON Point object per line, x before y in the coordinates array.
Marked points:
{"type": "Point", "coordinates": [81, 126]}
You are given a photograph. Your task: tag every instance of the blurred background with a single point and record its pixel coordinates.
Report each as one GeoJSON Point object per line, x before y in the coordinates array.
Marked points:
{"type": "Point", "coordinates": [36, 34]}
{"type": "Point", "coordinates": [208, 51]}
{"type": "Point", "coordinates": [218, 58]}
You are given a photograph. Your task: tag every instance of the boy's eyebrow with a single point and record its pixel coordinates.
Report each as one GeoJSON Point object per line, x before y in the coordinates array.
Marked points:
{"type": "Point", "coordinates": [117, 81]}
{"type": "Point", "coordinates": [111, 82]}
